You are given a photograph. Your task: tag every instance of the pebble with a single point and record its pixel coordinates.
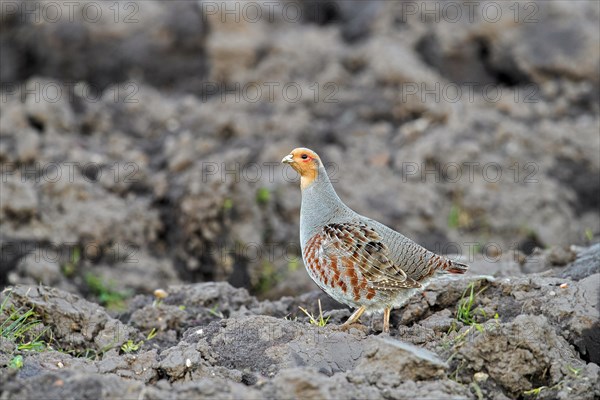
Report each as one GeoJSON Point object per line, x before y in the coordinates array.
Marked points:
{"type": "Point", "coordinates": [480, 376]}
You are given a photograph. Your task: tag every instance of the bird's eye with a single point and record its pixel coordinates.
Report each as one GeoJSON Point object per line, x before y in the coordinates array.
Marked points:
{"type": "Point", "coordinates": [304, 156]}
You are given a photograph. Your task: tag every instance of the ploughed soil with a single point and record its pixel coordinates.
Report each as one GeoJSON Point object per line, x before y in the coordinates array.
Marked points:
{"type": "Point", "coordinates": [141, 151]}
{"type": "Point", "coordinates": [528, 336]}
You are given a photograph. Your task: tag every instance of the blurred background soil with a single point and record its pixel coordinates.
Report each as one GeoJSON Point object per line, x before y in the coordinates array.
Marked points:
{"type": "Point", "coordinates": [140, 141]}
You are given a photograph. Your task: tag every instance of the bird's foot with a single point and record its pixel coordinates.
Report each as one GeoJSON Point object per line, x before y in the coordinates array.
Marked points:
{"type": "Point", "coordinates": [384, 334]}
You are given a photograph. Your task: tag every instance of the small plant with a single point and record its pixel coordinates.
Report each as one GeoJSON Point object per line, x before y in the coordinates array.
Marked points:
{"type": "Point", "coordinates": [458, 218]}
{"type": "Point", "coordinates": [152, 334]}
{"type": "Point", "coordinates": [269, 277]}
{"type": "Point", "coordinates": [16, 362]}
{"type": "Point", "coordinates": [293, 264]}
{"type": "Point", "coordinates": [107, 296]}
{"type": "Point", "coordinates": [589, 234]}
{"type": "Point", "coordinates": [130, 346]}
{"type": "Point", "coordinates": [70, 267]}
{"type": "Point", "coordinates": [95, 355]}
{"type": "Point", "coordinates": [461, 337]}
{"type": "Point", "coordinates": [453, 217]}
{"type": "Point", "coordinates": [465, 312]}
{"type": "Point", "coordinates": [88, 353]}
{"type": "Point", "coordinates": [320, 321]}
{"type": "Point", "coordinates": [227, 204]}
{"type": "Point", "coordinates": [534, 392]}
{"type": "Point", "coordinates": [263, 195]}
{"type": "Point", "coordinates": [22, 326]}
{"type": "Point", "coordinates": [215, 311]}
{"type": "Point", "coordinates": [574, 371]}
{"type": "Point", "coordinates": [477, 390]}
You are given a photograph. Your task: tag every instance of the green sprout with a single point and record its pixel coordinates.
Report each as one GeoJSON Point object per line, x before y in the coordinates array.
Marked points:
{"type": "Point", "coordinates": [453, 217]}
{"type": "Point", "coordinates": [227, 204]}
{"type": "Point", "coordinates": [269, 277]}
{"type": "Point", "coordinates": [293, 264]}
{"type": "Point", "coordinates": [152, 334]}
{"type": "Point", "coordinates": [107, 295]}
{"type": "Point", "coordinates": [465, 312]}
{"type": "Point", "coordinates": [130, 346]}
{"type": "Point", "coordinates": [573, 370]}
{"type": "Point", "coordinates": [263, 195]}
{"type": "Point", "coordinates": [69, 268]}
{"type": "Point", "coordinates": [16, 362]}
{"type": "Point", "coordinates": [534, 392]}
{"type": "Point", "coordinates": [215, 311]}
{"type": "Point", "coordinates": [320, 321]}
{"type": "Point", "coordinates": [22, 327]}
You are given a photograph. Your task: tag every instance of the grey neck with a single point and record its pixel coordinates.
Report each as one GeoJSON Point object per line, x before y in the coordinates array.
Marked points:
{"type": "Point", "coordinates": [320, 206]}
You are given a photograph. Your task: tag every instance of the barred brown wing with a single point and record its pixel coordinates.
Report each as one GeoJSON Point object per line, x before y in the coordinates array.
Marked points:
{"type": "Point", "coordinates": [359, 246]}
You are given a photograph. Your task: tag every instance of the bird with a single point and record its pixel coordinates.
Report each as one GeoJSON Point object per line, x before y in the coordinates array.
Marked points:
{"type": "Point", "coordinates": [356, 260]}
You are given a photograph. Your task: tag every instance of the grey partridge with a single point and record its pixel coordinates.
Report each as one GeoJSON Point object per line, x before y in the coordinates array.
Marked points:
{"type": "Point", "coordinates": [354, 259]}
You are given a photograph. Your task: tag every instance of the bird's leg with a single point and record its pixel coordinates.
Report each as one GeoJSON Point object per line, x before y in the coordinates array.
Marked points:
{"type": "Point", "coordinates": [354, 317]}
{"type": "Point", "coordinates": [386, 320]}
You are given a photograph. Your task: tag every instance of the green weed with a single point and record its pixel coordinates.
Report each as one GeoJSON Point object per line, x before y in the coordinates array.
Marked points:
{"type": "Point", "coordinates": [130, 346]}
{"type": "Point", "coordinates": [107, 295]}
{"type": "Point", "coordinates": [215, 311]}
{"type": "Point", "coordinates": [227, 204]}
{"type": "Point", "coordinates": [268, 277]}
{"type": "Point", "coordinates": [534, 392]}
{"type": "Point", "coordinates": [320, 321]}
{"type": "Point", "coordinates": [458, 218]}
{"type": "Point", "coordinates": [290, 318]}
{"type": "Point", "coordinates": [574, 371]}
{"type": "Point", "coordinates": [477, 390]}
{"type": "Point", "coordinates": [16, 362]}
{"type": "Point", "coordinates": [152, 334]}
{"type": "Point", "coordinates": [69, 268]}
{"type": "Point", "coordinates": [465, 312]}
{"type": "Point", "coordinates": [453, 217]}
{"type": "Point", "coordinates": [22, 327]}
{"type": "Point", "coordinates": [293, 264]}
{"type": "Point", "coordinates": [263, 195]}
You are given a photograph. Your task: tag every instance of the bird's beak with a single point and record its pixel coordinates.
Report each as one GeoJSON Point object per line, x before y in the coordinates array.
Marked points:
{"type": "Point", "coordinates": [288, 159]}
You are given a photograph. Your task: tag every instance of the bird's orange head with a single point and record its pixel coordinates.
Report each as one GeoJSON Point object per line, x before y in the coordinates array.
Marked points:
{"type": "Point", "coordinates": [306, 162]}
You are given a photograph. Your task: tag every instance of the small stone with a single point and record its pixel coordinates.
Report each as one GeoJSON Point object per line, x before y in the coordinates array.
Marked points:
{"type": "Point", "coordinates": [480, 376]}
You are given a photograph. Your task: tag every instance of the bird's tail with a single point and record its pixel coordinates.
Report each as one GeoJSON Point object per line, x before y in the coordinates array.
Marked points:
{"type": "Point", "coordinates": [456, 268]}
